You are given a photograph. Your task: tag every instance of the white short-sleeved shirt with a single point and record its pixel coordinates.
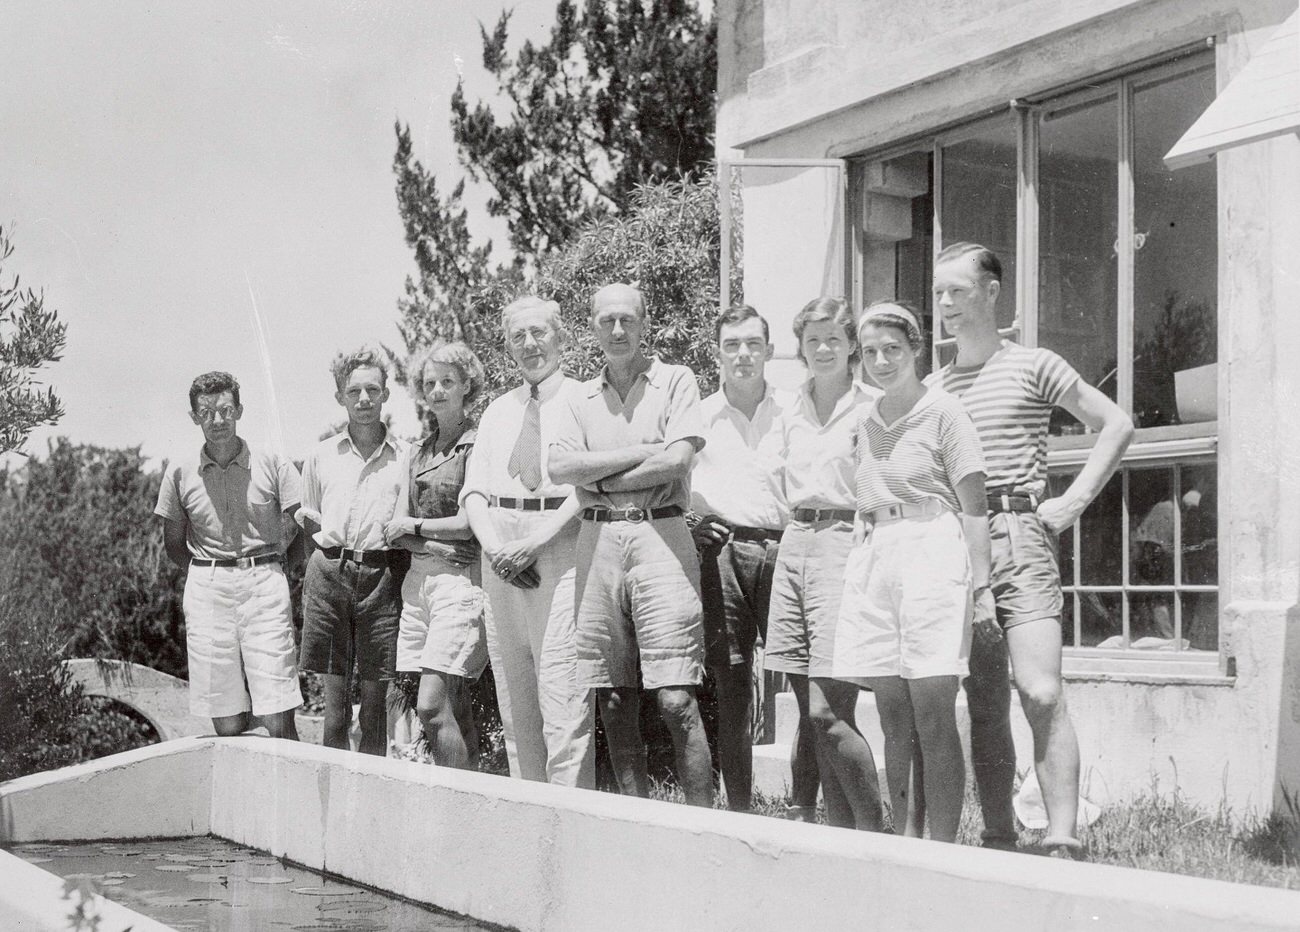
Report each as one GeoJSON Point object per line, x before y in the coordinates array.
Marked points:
{"type": "Point", "coordinates": [923, 454]}
{"type": "Point", "coordinates": [352, 497]}
{"type": "Point", "coordinates": [488, 471]}
{"type": "Point", "coordinates": [818, 457]}
{"type": "Point", "coordinates": [663, 406]}
{"type": "Point", "coordinates": [232, 512]}
{"type": "Point", "coordinates": [739, 474]}
{"type": "Point", "coordinates": [1010, 398]}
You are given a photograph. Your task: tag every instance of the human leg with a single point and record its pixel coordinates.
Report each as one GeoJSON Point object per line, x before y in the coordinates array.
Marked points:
{"type": "Point", "coordinates": [805, 774]}
{"type": "Point", "coordinates": [568, 724]}
{"type": "Point", "coordinates": [267, 650]}
{"type": "Point", "coordinates": [681, 714]}
{"type": "Point", "coordinates": [374, 718]}
{"type": "Point", "coordinates": [1035, 649]}
{"type": "Point", "coordinates": [735, 738]}
{"type": "Point", "coordinates": [934, 704]}
{"type": "Point", "coordinates": [338, 711]}
{"type": "Point", "coordinates": [844, 754]}
{"type": "Point", "coordinates": [228, 726]}
{"type": "Point", "coordinates": [439, 696]}
{"type": "Point", "coordinates": [620, 711]}
{"type": "Point", "coordinates": [897, 721]}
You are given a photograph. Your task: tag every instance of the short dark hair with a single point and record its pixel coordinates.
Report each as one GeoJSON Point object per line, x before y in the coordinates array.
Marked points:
{"type": "Point", "coordinates": [986, 259]}
{"type": "Point", "coordinates": [835, 310]}
{"type": "Point", "coordinates": [738, 314]}
{"type": "Point", "coordinates": [213, 383]}
{"type": "Point", "coordinates": [899, 315]}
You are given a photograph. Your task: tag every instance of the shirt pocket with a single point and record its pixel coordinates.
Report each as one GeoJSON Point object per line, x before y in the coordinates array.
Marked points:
{"type": "Point", "coordinates": [264, 518]}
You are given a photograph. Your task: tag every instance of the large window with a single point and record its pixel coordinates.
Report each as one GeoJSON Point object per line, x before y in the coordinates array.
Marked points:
{"type": "Point", "coordinates": [1111, 260]}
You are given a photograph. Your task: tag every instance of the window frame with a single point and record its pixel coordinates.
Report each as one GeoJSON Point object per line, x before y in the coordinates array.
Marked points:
{"type": "Point", "coordinates": [1181, 445]}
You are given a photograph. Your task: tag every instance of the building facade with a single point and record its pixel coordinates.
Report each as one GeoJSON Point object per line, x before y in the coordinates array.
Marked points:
{"type": "Point", "coordinates": [859, 137]}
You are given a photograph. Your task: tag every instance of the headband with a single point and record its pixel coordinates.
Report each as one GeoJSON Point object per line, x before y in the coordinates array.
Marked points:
{"type": "Point", "coordinates": [890, 310]}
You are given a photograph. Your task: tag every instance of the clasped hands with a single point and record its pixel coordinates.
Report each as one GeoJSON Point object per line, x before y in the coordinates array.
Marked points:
{"type": "Point", "coordinates": [513, 562]}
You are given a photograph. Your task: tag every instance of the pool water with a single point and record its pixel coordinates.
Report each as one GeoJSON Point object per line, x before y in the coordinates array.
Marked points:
{"type": "Point", "coordinates": [213, 884]}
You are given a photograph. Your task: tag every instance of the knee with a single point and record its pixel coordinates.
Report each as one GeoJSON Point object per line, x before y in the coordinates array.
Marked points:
{"type": "Point", "coordinates": [433, 716]}
{"type": "Point", "coordinates": [822, 718]}
{"type": "Point", "coordinates": [678, 709]}
{"type": "Point", "coordinates": [1042, 700]}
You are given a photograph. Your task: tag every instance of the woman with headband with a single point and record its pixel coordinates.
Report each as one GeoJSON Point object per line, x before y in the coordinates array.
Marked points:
{"type": "Point", "coordinates": [905, 615]}
{"type": "Point", "coordinates": [817, 443]}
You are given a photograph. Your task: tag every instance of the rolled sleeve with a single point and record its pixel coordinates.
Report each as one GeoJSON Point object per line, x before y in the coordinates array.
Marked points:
{"type": "Point", "coordinates": [310, 489]}
{"type": "Point", "coordinates": [683, 420]}
{"type": "Point", "coordinates": [289, 486]}
{"type": "Point", "coordinates": [477, 472]}
{"type": "Point", "coordinates": [169, 504]}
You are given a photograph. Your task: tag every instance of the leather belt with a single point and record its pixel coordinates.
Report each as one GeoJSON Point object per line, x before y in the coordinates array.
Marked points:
{"type": "Point", "coordinates": [526, 504]}
{"type": "Point", "coordinates": [633, 515]}
{"type": "Point", "coordinates": [243, 563]}
{"type": "Point", "coordinates": [813, 515]}
{"type": "Point", "coordinates": [901, 510]}
{"type": "Point", "coordinates": [364, 557]}
{"type": "Point", "coordinates": [755, 535]}
{"type": "Point", "coordinates": [1000, 502]}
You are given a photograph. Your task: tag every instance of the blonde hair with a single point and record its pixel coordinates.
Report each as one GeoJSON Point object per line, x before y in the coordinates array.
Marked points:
{"type": "Point", "coordinates": [455, 354]}
{"type": "Point", "coordinates": [367, 357]}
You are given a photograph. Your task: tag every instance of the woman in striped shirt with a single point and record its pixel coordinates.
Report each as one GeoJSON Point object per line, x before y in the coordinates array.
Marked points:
{"type": "Point", "coordinates": [904, 625]}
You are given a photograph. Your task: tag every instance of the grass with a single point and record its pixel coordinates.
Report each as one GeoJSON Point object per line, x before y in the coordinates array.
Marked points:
{"type": "Point", "coordinates": [1151, 832]}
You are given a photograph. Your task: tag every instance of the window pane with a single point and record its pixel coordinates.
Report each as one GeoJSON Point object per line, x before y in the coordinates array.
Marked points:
{"type": "Point", "coordinates": [1151, 620]}
{"type": "Point", "coordinates": [1201, 620]}
{"type": "Point", "coordinates": [1200, 503]}
{"type": "Point", "coordinates": [1077, 228]}
{"type": "Point", "coordinates": [895, 223]}
{"type": "Point", "coordinates": [1151, 529]}
{"type": "Point", "coordinates": [1102, 619]}
{"type": "Point", "coordinates": [1176, 261]}
{"type": "Point", "coordinates": [979, 202]}
{"type": "Point", "coordinates": [1101, 557]}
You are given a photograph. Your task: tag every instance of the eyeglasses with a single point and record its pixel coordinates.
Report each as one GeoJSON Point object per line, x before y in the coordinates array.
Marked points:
{"type": "Point", "coordinates": [208, 415]}
{"type": "Point", "coordinates": [520, 337]}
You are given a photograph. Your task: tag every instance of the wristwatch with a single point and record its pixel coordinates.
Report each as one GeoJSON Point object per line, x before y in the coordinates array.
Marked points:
{"type": "Point", "coordinates": [419, 525]}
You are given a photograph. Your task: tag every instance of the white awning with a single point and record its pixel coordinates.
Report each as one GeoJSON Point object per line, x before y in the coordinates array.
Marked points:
{"type": "Point", "coordinates": [1262, 101]}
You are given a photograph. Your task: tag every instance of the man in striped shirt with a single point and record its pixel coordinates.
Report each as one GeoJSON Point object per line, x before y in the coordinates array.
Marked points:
{"type": "Point", "coordinates": [1010, 391]}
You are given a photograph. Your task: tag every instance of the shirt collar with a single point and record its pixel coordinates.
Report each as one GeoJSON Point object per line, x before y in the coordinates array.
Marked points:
{"type": "Point", "coordinates": [548, 387]}
{"type": "Point", "coordinates": [717, 404]}
{"type": "Point", "coordinates": [241, 459]}
{"type": "Point", "coordinates": [932, 393]}
{"type": "Point", "coordinates": [653, 374]}
{"type": "Point", "coordinates": [344, 442]}
{"type": "Point", "coordinates": [858, 393]}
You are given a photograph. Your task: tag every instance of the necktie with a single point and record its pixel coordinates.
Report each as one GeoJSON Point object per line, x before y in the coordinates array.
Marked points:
{"type": "Point", "coordinates": [526, 459]}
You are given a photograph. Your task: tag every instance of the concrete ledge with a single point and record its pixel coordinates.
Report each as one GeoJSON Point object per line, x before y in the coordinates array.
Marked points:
{"type": "Point", "coordinates": [160, 790]}
{"type": "Point", "coordinates": [32, 900]}
{"type": "Point", "coordinates": [537, 857]}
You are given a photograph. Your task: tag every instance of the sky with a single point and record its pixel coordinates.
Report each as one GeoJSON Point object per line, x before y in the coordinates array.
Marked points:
{"type": "Point", "coordinates": [168, 167]}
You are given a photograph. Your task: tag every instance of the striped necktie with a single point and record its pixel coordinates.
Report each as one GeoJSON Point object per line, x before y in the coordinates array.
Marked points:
{"type": "Point", "coordinates": [526, 459]}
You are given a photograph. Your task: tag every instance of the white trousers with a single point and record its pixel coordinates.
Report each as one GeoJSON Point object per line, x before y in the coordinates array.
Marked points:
{"type": "Point", "coordinates": [546, 716]}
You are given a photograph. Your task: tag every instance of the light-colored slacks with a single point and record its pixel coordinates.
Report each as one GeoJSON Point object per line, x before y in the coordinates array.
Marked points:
{"type": "Point", "coordinates": [546, 716]}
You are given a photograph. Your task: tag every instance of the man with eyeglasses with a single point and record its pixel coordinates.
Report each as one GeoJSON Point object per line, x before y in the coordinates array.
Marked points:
{"type": "Point", "coordinates": [527, 526]}
{"type": "Point", "coordinates": [228, 514]}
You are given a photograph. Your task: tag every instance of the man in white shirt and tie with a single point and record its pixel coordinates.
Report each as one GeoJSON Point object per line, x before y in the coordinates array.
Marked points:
{"type": "Point", "coordinates": [738, 498]}
{"type": "Point", "coordinates": [526, 524]}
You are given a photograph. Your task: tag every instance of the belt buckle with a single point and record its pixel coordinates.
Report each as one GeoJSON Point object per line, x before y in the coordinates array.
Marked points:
{"type": "Point", "coordinates": [244, 563]}
{"type": "Point", "coordinates": [634, 515]}
{"type": "Point", "coordinates": [895, 511]}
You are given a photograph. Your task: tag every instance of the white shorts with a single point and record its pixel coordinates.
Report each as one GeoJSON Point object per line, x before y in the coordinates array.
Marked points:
{"type": "Point", "coordinates": [442, 619]}
{"type": "Point", "coordinates": [906, 608]}
{"type": "Point", "coordinates": [239, 626]}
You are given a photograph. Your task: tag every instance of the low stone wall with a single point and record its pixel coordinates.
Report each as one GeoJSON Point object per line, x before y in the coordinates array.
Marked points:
{"type": "Point", "coordinates": [536, 857]}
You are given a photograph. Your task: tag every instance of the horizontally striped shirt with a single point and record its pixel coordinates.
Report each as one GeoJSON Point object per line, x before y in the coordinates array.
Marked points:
{"type": "Point", "coordinates": [1010, 398]}
{"type": "Point", "coordinates": [923, 454]}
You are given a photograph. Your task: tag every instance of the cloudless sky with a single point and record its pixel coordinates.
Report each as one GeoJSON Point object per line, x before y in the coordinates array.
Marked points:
{"type": "Point", "coordinates": [165, 164]}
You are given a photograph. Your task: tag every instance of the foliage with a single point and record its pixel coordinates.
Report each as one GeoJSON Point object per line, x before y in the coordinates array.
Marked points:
{"type": "Point", "coordinates": [621, 95]}
{"type": "Point", "coordinates": [81, 521]}
{"type": "Point", "coordinates": [30, 337]}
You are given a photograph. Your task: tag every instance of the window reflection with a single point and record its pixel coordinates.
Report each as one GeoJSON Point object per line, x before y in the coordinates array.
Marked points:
{"type": "Point", "coordinates": [1077, 225]}
{"type": "Point", "coordinates": [979, 202]}
{"type": "Point", "coordinates": [1176, 256]}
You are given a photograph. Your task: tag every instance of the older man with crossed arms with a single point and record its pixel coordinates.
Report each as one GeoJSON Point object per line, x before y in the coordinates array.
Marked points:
{"type": "Point", "coordinates": [627, 444]}
{"type": "Point", "coordinates": [526, 524]}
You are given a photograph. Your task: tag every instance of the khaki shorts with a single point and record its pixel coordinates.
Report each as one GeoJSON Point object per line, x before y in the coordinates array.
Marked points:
{"type": "Point", "coordinates": [1025, 575]}
{"type": "Point", "coordinates": [906, 609]}
{"type": "Point", "coordinates": [638, 600]}
{"type": "Point", "coordinates": [806, 589]}
{"type": "Point", "coordinates": [239, 626]}
{"type": "Point", "coordinates": [442, 619]}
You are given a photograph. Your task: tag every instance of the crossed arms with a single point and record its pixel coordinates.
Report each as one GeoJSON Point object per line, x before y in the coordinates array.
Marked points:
{"type": "Point", "coordinates": [628, 469]}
